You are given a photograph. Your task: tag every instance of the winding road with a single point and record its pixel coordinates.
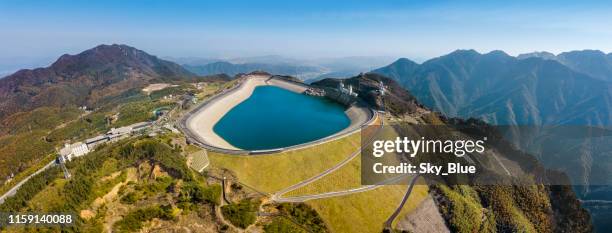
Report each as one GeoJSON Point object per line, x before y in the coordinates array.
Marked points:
{"type": "Point", "coordinates": [277, 197]}
{"type": "Point", "coordinates": [13, 190]}
{"type": "Point", "coordinates": [389, 221]}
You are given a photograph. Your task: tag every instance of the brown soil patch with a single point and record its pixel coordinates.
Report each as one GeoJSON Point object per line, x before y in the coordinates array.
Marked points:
{"type": "Point", "coordinates": [111, 176]}
{"type": "Point", "coordinates": [158, 172]}
{"type": "Point", "coordinates": [87, 214]}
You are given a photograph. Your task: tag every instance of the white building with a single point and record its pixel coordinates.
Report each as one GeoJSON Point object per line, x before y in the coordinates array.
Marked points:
{"type": "Point", "coordinates": [74, 150]}
{"type": "Point", "coordinates": [118, 133]}
{"type": "Point", "coordinates": [97, 140]}
{"type": "Point", "coordinates": [347, 91]}
{"type": "Point", "coordinates": [120, 130]}
{"type": "Point", "coordinates": [140, 126]}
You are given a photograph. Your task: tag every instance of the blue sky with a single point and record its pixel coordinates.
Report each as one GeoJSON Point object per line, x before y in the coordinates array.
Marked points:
{"type": "Point", "coordinates": [332, 28]}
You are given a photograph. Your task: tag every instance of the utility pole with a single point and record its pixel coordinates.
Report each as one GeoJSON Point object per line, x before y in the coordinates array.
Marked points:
{"type": "Point", "coordinates": [381, 90]}
{"type": "Point", "coordinates": [61, 161]}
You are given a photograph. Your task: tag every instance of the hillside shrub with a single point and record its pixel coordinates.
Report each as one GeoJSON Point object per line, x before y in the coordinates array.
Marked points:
{"type": "Point", "coordinates": [241, 214]}
{"type": "Point", "coordinates": [134, 220]}
{"type": "Point", "coordinates": [282, 225]}
{"type": "Point", "coordinates": [304, 215]}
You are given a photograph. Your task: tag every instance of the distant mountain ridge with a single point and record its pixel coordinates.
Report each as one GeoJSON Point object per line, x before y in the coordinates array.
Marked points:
{"type": "Point", "coordinates": [562, 91]}
{"type": "Point", "coordinates": [502, 89]}
{"type": "Point", "coordinates": [594, 63]}
{"type": "Point", "coordinates": [231, 69]}
{"type": "Point", "coordinates": [83, 79]}
{"type": "Point", "coordinates": [308, 70]}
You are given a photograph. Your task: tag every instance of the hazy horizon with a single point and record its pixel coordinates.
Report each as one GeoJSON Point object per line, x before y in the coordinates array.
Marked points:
{"type": "Point", "coordinates": [418, 30]}
{"type": "Point", "coordinates": [9, 65]}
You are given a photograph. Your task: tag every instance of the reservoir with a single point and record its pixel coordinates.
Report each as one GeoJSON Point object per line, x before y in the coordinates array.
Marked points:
{"type": "Point", "coordinates": [273, 117]}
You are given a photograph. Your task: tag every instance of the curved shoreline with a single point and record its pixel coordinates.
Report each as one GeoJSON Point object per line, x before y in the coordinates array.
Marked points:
{"type": "Point", "coordinates": [198, 124]}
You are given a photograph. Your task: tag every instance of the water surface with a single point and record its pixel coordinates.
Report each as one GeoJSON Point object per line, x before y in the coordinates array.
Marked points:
{"type": "Point", "coordinates": [273, 117]}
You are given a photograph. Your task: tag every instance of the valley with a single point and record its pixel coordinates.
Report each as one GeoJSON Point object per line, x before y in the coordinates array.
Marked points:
{"type": "Point", "coordinates": [161, 179]}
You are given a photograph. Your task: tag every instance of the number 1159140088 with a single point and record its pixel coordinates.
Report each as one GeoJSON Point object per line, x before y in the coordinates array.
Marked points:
{"type": "Point", "coordinates": [36, 219]}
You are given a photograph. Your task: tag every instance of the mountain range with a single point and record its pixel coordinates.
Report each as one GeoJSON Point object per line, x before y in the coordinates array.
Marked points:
{"type": "Point", "coordinates": [452, 81]}
{"type": "Point", "coordinates": [231, 69]}
{"type": "Point", "coordinates": [501, 89]}
{"type": "Point", "coordinates": [308, 70]}
{"type": "Point", "coordinates": [85, 78]}
{"type": "Point", "coordinates": [591, 62]}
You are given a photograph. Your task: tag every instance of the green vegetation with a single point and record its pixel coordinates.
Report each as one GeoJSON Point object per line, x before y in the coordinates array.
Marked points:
{"type": "Point", "coordinates": [157, 153]}
{"type": "Point", "coordinates": [29, 190]}
{"type": "Point", "coordinates": [134, 220]}
{"type": "Point", "coordinates": [22, 151]}
{"type": "Point", "coordinates": [96, 174]}
{"type": "Point", "coordinates": [305, 216]}
{"type": "Point", "coordinates": [139, 111]}
{"type": "Point", "coordinates": [44, 118]}
{"type": "Point", "coordinates": [131, 107]}
{"type": "Point", "coordinates": [241, 214]}
{"type": "Point", "coordinates": [261, 172]}
{"type": "Point", "coordinates": [26, 138]}
{"type": "Point", "coordinates": [208, 90]}
{"type": "Point", "coordinates": [83, 186]}
{"type": "Point", "coordinates": [346, 177]}
{"type": "Point", "coordinates": [192, 193]}
{"type": "Point", "coordinates": [465, 211]}
{"type": "Point", "coordinates": [81, 128]}
{"type": "Point", "coordinates": [370, 209]}
{"type": "Point", "coordinates": [50, 198]}
{"type": "Point", "coordinates": [130, 198]}
{"type": "Point", "coordinates": [161, 184]}
{"type": "Point", "coordinates": [493, 208]}
{"type": "Point", "coordinates": [176, 91]}
{"type": "Point", "coordinates": [283, 225]}
{"type": "Point", "coordinates": [339, 213]}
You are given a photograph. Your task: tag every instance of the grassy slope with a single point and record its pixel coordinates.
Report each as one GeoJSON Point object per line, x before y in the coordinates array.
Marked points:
{"type": "Point", "coordinates": [367, 211]}
{"type": "Point", "coordinates": [49, 198]}
{"type": "Point", "coordinates": [25, 149]}
{"type": "Point", "coordinates": [273, 172]}
{"type": "Point", "coordinates": [346, 177]}
{"type": "Point", "coordinates": [367, 208]}
{"type": "Point", "coordinates": [270, 173]}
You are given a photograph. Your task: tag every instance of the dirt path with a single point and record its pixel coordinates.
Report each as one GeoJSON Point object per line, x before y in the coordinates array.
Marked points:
{"type": "Point", "coordinates": [109, 197]}
{"type": "Point", "coordinates": [222, 219]}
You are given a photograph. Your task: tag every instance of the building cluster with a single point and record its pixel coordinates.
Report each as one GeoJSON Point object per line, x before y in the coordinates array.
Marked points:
{"type": "Point", "coordinates": [346, 90]}
{"type": "Point", "coordinates": [77, 149]}
{"type": "Point", "coordinates": [315, 92]}
{"type": "Point", "coordinates": [186, 100]}
{"type": "Point", "coordinates": [342, 94]}
{"type": "Point", "coordinates": [381, 88]}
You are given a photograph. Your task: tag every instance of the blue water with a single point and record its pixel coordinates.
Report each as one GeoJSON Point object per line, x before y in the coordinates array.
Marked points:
{"type": "Point", "coordinates": [274, 117]}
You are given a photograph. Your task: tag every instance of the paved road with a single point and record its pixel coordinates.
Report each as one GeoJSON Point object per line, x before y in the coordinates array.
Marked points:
{"type": "Point", "coordinates": [401, 205]}
{"type": "Point", "coordinates": [337, 193]}
{"type": "Point", "coordinates": [13, 190]}
{"type": "Point", "coordinates": [278, 195]}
